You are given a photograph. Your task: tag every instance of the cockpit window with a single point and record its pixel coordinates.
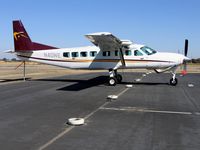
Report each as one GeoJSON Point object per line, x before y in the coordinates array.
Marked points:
{"type": "Point", "coordinates": [147, 50]}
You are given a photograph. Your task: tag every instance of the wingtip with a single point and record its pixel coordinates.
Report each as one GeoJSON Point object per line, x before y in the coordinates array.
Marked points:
{"type": "Point", "coordinates": [98, 33]}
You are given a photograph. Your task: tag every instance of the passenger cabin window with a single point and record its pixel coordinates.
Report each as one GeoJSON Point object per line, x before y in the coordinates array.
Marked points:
{"type": "Point", "coordinates": [93, 53]}
{"type": "Point", "coordinates": [128, 52]}
{"type": "Point", "coordinates": [83, 54]}
{"type": "Point", "coordinates": [116, 53]}
{"type": "Point", "coordinates": [106, 53]}
{"type": "Point", "coordinates": [137, 53]}
{"type": "Point", "coordinates": [66, 54]}
{"type": "Point", "coordinates": [74, 54]}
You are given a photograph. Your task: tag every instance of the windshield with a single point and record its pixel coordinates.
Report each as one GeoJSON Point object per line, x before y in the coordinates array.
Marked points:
{"type": "Point", "coordinates": [147, 50]}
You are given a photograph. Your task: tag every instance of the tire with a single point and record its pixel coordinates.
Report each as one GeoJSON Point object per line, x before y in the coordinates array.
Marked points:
{"type": "Point", "coordinates": [119, 78]}
{"type": "Point", "coordinates": [76, 121]}
{"type": "Point", "coordinates": [173, 83]}
{"type": "Point", "coordinates": [112, 81]}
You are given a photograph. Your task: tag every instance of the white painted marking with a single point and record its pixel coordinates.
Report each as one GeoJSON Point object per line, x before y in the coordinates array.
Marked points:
{"type": "Point", "coordinates": [55, 138]}
{"type": "Point", "coordinates": [76, 121]}
{"type": "Point", "coordinates": [137, 80]}
{"type": "Point", "coordinates": [197, 113]}
{"type": "Point", "coordinates": [190, 85]}
{"type": "Point", "coordinates": [129, 86]}
{"type": "Point", "coordinates": [122, 92]}
{"type": "Point", "coordinates": [114, 97]}
{"type": "Point", "coordinates": [135, 109]}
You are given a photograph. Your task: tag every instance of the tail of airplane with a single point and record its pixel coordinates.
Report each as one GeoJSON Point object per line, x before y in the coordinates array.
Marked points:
{"type": "Point", "coordinates": [22, 40]}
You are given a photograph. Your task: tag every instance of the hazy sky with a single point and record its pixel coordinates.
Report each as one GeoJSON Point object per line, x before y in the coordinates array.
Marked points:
{"type": "Point", "coordinates": [160, 24]}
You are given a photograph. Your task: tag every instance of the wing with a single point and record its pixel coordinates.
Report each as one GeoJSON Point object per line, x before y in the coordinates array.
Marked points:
{"type": "Point", "coordinates": [107, 42]}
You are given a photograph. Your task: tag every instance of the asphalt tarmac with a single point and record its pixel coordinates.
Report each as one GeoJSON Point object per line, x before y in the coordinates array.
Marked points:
{"type": "Point", "coordinates": [152, 115]}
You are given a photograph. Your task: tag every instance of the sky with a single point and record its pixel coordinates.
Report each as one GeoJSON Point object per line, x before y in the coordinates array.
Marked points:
{"type": "Point", "coordinates": [160, 24]}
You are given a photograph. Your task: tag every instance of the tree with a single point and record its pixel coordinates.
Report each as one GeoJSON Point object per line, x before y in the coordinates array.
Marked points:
{"type": "Point", "coordinates": [4, 59]}
{"type": "Point", "coordinates": [13, 59]}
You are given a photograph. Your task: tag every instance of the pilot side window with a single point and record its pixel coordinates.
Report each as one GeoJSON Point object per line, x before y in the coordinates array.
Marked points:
{"type": "Point", "coordinates": [137, 53]}
{"type": "Point", "coordinates": [66, 54]}
{"type": "Point", "coordinates": [83, 54]}
{"type": "Point", "coordinates": [106, 53]}
{"type": "Point", "coordinates": [74, 54]}
{"type": "Point", "coordinates": [93, 53]}
{"type": "Point", "coordinates": [128, 52]}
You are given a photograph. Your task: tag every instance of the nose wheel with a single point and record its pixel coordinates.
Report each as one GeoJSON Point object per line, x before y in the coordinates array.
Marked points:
{"type": "Point", "coordinates": [173, 81]}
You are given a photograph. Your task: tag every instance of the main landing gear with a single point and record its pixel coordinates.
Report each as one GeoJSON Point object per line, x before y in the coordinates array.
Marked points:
{"type": "Point", "coordinates": [114, 77]}
{"type": "Point", "coordinates": [173, 81]}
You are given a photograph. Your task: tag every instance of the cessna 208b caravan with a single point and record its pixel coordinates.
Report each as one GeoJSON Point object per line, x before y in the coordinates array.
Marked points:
{"type": "Point", "coordinates": [109, 53]}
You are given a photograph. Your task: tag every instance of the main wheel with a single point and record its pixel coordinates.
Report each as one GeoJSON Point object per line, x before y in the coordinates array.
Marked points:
{"type": "Point", "coordinates": [119, 78]}
{"type": "Point", "coordinates": [112, 81]}
{"type": "Point", "coordinates": [173, 82]}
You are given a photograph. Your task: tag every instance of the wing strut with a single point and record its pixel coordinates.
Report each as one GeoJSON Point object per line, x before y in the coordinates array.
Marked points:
{"type": "Point", "coordinates": [108, 42]}
{"type": "Point", "coordinates": [122, 57]}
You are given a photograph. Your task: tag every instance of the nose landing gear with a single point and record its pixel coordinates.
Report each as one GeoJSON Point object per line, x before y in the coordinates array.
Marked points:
{"type": "Point", "coordinates": [173, 81]}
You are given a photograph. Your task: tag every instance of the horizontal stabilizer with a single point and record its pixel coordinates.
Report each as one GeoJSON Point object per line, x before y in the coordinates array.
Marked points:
{"type": "Point", "coordinates": [9, 51]}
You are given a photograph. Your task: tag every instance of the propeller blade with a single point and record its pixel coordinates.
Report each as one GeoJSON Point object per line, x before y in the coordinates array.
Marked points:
{"type": "Point", "coordinates": [186, 47]}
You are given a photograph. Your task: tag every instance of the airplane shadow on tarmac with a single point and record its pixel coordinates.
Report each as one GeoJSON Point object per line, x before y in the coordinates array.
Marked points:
{"type": "Point", "coordinates": [13, 80]}
{"type": "Point", "coordinates": [81, 84]}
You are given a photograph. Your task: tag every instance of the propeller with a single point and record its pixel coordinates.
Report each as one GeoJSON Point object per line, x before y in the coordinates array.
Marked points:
{"type": "Point", "coordinates": [184, 71]}
{"type": "Point", "coordinates": [186, 47]}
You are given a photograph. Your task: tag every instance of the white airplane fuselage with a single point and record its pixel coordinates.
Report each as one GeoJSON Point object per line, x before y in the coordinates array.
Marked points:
{"type": "Point", "coordinates": [57, 57]}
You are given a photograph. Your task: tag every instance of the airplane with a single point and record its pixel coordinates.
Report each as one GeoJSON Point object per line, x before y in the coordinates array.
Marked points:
{"type": "Point", "coordinates": [108, 53]}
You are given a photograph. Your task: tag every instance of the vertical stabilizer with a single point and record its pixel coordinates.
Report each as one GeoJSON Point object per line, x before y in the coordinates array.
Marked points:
{"type": "Point", "coordinates": [22, 41]}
